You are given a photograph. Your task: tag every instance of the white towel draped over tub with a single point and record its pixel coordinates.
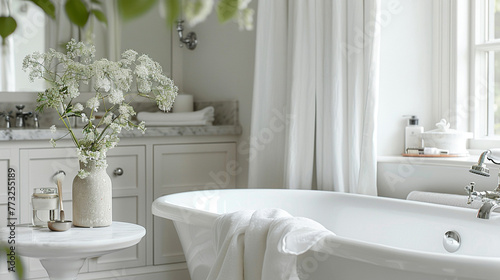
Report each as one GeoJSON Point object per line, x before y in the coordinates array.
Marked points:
{"type": "Point", "coordinates": [262, 244]}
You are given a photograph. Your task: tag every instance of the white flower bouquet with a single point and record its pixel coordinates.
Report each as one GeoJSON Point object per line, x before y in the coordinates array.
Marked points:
{"type": "Point", "coordinates": [112, 84]}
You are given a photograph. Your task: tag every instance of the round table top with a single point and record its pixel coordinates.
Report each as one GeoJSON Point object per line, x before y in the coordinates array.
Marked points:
{"type": "Point", "coordinates": [76, 242]}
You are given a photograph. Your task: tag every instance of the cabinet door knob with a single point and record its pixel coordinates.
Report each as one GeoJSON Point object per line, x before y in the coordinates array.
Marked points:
{"type": "Point", "coordinates": [118, 172]}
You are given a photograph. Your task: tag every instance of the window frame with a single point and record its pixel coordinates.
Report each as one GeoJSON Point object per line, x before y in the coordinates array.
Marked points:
{"type": "Point", "coordinates": [457, 64]}
{"type": "Point", "coordinates": [451, 63]}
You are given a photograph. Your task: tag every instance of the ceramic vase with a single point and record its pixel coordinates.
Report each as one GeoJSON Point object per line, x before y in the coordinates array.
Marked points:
{"type": "Point", "coordinates": [92, 198]}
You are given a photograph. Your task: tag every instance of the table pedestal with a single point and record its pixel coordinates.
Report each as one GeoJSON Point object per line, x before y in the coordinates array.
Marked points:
{"type": "Point", "coordinates": [63, 254]}
{"type": "Point", "coordinates": [63, 269]}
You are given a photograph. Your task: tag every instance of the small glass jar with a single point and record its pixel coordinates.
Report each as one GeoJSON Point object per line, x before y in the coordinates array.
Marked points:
{"type": "Point", "coordinates": [44, 202]}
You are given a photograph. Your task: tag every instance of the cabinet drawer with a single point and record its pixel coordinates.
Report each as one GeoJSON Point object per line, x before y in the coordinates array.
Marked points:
{"type": "Point", "coordinates": [194, 165]}
{"type": "Point", "coordinates": [123, 168]}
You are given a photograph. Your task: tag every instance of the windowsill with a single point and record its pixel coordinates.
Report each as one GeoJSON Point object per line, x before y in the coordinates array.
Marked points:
{"type": "Point", "coordinates": [462, 161]}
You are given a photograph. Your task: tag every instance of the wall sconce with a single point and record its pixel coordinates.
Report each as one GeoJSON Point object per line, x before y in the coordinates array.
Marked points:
{"type": "Point", "coordinates": [190, 41]}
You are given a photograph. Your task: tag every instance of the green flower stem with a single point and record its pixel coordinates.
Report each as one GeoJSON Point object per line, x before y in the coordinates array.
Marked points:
{"type": "Point", "coordinates": [70, 131]}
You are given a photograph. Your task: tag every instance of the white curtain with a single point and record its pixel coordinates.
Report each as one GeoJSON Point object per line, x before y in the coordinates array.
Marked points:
{"type": "Point", "coordinates": [315, 95]}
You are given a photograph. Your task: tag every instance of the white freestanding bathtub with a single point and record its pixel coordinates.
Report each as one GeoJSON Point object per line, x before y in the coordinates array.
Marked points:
{"type": "Point", "coordinates": [376, 238]}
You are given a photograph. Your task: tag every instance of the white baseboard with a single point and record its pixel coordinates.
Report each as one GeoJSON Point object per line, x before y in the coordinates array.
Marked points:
{"type": "Point", "coordinates": [176, 271]}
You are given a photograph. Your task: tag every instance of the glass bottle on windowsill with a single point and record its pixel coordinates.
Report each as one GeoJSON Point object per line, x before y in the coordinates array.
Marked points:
{"type": "Point", "coordinates": [413, 134]}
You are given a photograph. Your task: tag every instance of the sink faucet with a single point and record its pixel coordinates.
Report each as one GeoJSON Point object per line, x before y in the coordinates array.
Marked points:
{"type": "Point", "coordinates": [490, 199]}
{"type": "Point", "coordinates": [21, 116]}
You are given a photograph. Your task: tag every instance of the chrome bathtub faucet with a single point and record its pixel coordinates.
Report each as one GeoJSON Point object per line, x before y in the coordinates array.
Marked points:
{"type": "Point", "coordinates": [490, 199]}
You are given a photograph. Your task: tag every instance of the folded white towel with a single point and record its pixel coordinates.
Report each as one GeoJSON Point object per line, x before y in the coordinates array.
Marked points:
{"type": "Point", "coordinates": [262, 244]}
{"type": "Point", "coordinates": [201, 117]}
{"type": "Point", "coordinates": [179, 123]}
{"type": "Point", "coordinates": [444, 199]}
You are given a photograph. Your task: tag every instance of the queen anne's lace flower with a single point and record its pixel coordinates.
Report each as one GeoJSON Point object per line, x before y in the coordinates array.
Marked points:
{"type": "Point", "coordinates": [141, 71]}
{"type": "Point", "coordinates": [93, 103]}
{"type": "Point", "coordinates": [142, 127]}
{"type": "Point", "coordinates": [112, 81]}
{"type": "Point", "coordinates": [116, 96]}
{"type": "Point", "coordinates": [85, 119]}
{"type": "Point", "coordinates": [129, 57]}
{"type": "Point", "coordinates": [107, 119]}
{"type": "Point", "coordinates": [78, 107]}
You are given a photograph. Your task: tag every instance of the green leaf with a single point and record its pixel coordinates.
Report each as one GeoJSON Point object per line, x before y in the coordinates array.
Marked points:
{"type": "Point", "coordinates": [130, 9]}
{"type": "Point", "coordinates": [99, 15]}
{"type": "Point", "coordinates": [77, 12]}
{"type": "Point", "coordinates": [7, 26]}
{"type": "Point", "coordinates": [226, 9]}
{"type": "Point", "coordinates": [172, 10]}
{"type": "Point", "coordinates": [47, 6]}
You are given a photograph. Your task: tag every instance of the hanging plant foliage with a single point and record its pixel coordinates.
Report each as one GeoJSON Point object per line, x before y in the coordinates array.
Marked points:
{"type": "Point", "coordinates": [7, 26]}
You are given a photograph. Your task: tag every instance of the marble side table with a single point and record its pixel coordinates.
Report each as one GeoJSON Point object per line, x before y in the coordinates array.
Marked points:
{"type": "Point", "coordinates": [62, 254]}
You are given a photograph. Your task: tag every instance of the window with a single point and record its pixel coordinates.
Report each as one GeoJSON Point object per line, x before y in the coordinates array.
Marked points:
{"type": "Point", "coordinates": [467, 68]}
{"type": "Point", "coordinates": [485, 66]}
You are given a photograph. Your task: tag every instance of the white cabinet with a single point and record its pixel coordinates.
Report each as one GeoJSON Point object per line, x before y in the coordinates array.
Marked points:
{"type": "Point", "coordinates": [129, 194]}
{"type": "Point", "coordinates": [150, 167]}
{"type": "Point", "coordinates": [179, 168]}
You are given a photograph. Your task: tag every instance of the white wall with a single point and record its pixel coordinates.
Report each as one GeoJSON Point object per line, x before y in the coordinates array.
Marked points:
{"type": "Point", "coordinates": [406, 72]}
{"type": "Point", "coordinates": [221, 68]}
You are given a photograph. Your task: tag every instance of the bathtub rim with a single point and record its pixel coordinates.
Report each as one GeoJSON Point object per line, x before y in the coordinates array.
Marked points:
{"type": "Point", "coordinates": [177, 212]}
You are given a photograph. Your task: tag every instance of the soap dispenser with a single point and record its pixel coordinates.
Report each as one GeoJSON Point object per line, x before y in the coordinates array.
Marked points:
{"type": "Point", "coordinates": [413, 134]}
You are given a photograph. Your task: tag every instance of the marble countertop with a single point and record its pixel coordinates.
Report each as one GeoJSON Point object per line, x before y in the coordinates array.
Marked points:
{"type": "Point", "coordinates": [225, 123]}
{"type": "Point", "coordinates": [151, 131]}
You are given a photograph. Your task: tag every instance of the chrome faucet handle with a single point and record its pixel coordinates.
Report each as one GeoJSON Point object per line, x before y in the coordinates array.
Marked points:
{"type": "Point", "coordinates": [20, 107]}
{"type": "Point", "coordinates": [7, 117]}
{"type": "Point", "coordinates": [36, 120]}
{"type": "Point", "coordinates": [470, 190]}
{"type": "Point", "coordinates": [493, 196]}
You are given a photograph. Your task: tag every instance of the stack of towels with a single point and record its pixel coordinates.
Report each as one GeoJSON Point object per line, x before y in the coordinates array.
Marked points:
{"type": "Point", "coordinates": [262, 244]}
{"type": "Point", "coordinates": [201, 117]}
